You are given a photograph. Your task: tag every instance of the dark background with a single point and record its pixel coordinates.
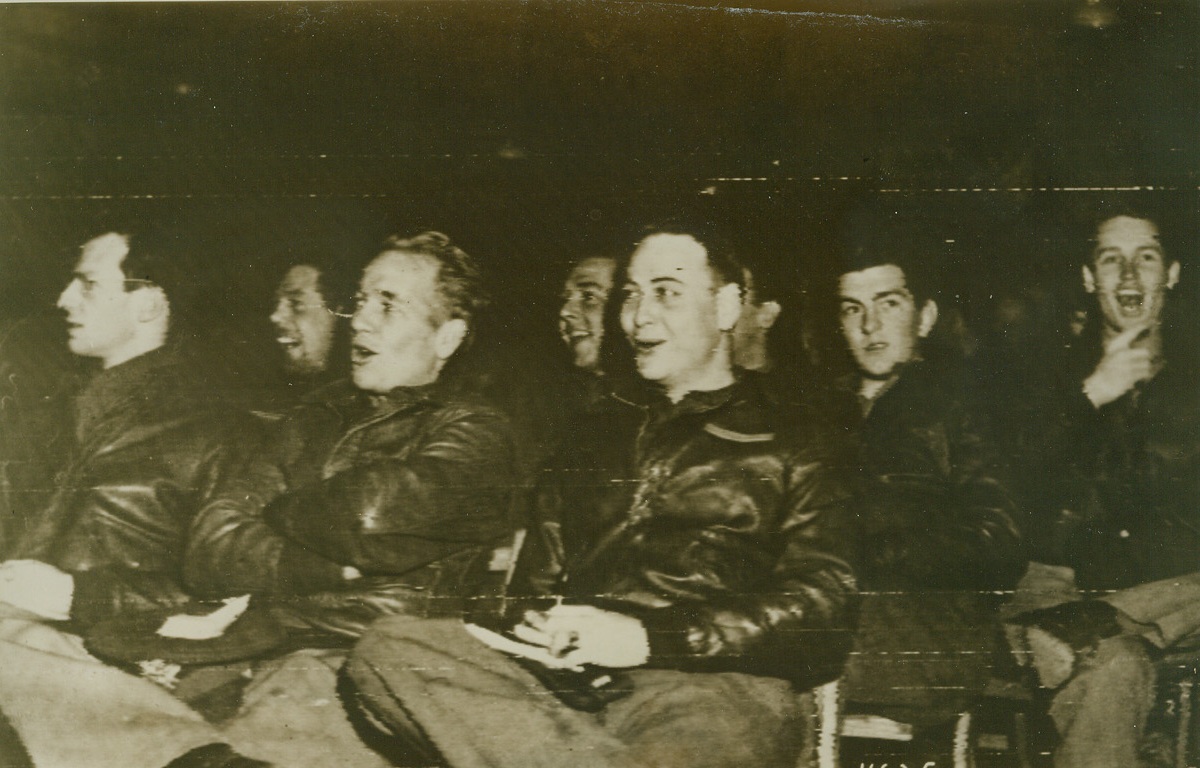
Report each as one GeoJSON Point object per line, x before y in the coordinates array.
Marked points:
{"type": "Point", "coordinates": [533, 132]}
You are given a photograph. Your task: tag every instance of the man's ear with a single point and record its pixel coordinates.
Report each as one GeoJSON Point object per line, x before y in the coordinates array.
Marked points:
{"type": "Point", "coordinates": [449, 337]}
{"type": "Point", "coordinates": [729, 306]}
{"type": "Point", "coordinates": [152, 304]}
{"type": "Point", "coordinates": [1173, 274]}
{"type": "Point", "coordinates": [1089, 280]}
{"type": "Point", "coordinates": [929, 316]}
{"type": "Point", "coordinates": [767, 313]}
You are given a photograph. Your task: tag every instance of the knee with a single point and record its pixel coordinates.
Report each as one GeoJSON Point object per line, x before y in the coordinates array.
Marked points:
{"type": "Point", "coordinates": [1123, 660]}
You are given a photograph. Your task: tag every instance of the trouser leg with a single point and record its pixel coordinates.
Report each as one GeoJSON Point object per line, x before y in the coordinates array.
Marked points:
{"type": "Point", "coordinates": [291, 715]}
{"type": "Point", "coordinates": [685, 720]}
{"type": "Point", "coordinates": [431, 680]}
{"type": "Point", "coordinates": [69, 709]}
{"type": "Point", "coordinates": [1101, 711]}
{"type": "Point", "coordinates": [475, 707]}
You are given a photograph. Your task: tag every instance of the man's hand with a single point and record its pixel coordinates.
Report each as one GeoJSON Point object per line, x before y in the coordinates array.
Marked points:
{"type": "Point", "coordinates": [34, 586]}
{"type": "Point", "coordinates": [582, 634]}
{"type": "Point", "coordinates": [1122, 367]}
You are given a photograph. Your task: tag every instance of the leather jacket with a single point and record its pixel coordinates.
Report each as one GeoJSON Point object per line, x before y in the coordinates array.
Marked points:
{"type": "Point", "coordinates": [146, 444]}
{"type": "Point", "coordinates": [938, 537]}
{"type": "Point", "coordinates": [714, 521]}
{"type": "Point", "coordinates": [937, 512]}
{"type": "Point", "coordinates": [410, 489]}
{"type": "Point", "coordinates": [38, 379]}
{"type": "Point", "coordinates": [1118, 487]}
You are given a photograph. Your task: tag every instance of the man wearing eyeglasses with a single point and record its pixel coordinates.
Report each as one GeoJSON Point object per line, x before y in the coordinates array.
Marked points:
{"type": "Point", "coordinates": [682, 571]}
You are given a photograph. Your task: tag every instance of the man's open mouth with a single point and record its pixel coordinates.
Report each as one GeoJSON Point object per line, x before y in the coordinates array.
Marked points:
{"type": "Point", "coordinates": [875, 346]}
{"type": "Point", "coordinates": [1130, 301]}
{"type": "Point", "coordinates": [287, 342]}
{"type": "Point", "coordinates": [646, 347]}
{"type": "Point", "coordinates": [360, 354]}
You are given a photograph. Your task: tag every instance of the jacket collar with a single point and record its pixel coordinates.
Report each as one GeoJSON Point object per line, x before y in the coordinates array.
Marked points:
{"type": "Point", "coordinates": [742, 406]}
{"type": "Point", "coordinates": [354, 404]}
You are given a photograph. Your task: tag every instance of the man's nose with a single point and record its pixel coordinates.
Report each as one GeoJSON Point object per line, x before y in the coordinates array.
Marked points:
{"type": "Point", "coordinates": [359, 320]}
{"type": "Point", "coordinates": [644, 311]}
{"type": "Point", "coordinates": [1128, 269]}
{"type": "Point", "coordinates": [870, 322]}
{"type": "Point", "coordinates": [66, 299]}
{"type": "Point", "coordinates": [280, 314]}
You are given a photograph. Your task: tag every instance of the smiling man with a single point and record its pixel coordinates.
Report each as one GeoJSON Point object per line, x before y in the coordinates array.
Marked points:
{"type": "Point", "coordinates": [693, 539]}
{"type": "Point", "coordinates": [384, 494]}
{"type": "Point", "coordinates": [305, 319]}
{"type": "Point", "coordinates": [938, 532]}
{"type": "Point", "coordinates": [380, 475]}
{"type": "Point", "coordinates": [1116, 471]}
{"type": "Point", "coordinates": [581, 317]}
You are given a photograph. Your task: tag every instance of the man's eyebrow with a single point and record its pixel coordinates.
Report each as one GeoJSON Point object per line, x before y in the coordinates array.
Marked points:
{"type": "Point", "coordinates": [588, 284]}
{"type": "Point", "coordinates": [901, 292]}
{"type": "Point", "coordinates": [666, 279]}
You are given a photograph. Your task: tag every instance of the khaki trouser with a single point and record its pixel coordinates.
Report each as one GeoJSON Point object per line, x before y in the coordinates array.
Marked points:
{"type": "Point", "coordinates": [1101, 710]}
{"type": "Point", "coordinates": [428, 681]}
{"type": "Point", "coordinates": [73, 711]}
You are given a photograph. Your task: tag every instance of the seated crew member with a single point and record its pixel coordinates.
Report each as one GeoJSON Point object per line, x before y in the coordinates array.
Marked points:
{"type": "Point", "coordinates": [938, 531]}
{"type": "Point", "coordinates": [695, 541]}
{"type": "Point", "coordinates": [383, 475]}
{"type": "Point", "coordinates": [1118, 477]}
{"type": "Point", "coordinates": [113, 536]}
{"type": "Point", "coordinates": [308, 329]}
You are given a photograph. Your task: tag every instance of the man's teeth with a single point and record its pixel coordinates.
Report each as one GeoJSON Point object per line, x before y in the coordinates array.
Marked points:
{"type": "Point", "coordinates": [1129, 299]}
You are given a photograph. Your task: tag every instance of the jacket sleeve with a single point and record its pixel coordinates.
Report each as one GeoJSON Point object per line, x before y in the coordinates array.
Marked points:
{"type": "Point", "coordinates": [950, 529]}
{"type": "Point", "coordinates": [799, 625]}
{"type": "Point", "coordinates": [389, 515]}
{"type": "Point", "coordinates": [231, 550]}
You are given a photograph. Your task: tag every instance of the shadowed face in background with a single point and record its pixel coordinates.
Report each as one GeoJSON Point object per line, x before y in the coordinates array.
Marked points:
{"type": "Point", "coordinates": [581, 318]}
{"type": "Point", "coordinates": [304, 322]}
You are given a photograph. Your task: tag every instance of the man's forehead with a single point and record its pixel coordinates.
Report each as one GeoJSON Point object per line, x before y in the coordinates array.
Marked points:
{"type": "Point", "coordinates": [667, 256]}
{"type": "Point", "coordinates": [301, 279]}
{"type": "Point", "coordinates": [872, 281]}
{"type": "Point", "coordinates": [1123, 230]}
{"type": "Point", "coordinates": [592, 272]}
{"type": "Point", "coordinates": [104, 252]}
{"type": "Point", "coordinates": [400, 272]}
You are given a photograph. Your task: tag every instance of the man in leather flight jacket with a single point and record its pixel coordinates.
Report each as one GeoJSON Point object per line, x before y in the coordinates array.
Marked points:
{"type": "Point", "coordinates": [938, 523]}
{"type": "Point", "coordinates": [112, 537]}
{"type": "Point", "coordinates": [1115, 471]}
{"type": "Point", "coordinates": [684, 569]}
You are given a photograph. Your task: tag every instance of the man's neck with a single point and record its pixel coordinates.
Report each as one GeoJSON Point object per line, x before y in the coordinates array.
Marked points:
{"type": "Point", "coordinates": [136, 348]}
{"type": "Point", "coordinates": [870, 388]}
{"type": "Point", "coordinates": [711, 383]}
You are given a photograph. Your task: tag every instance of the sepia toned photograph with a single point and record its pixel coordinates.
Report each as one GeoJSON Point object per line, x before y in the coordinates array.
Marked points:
{"type": "Point", "coordinates": [605, 384]}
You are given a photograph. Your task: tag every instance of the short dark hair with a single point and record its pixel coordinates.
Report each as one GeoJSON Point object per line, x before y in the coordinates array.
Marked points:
{"type": "Point", "coordinates": [1106, 212]}
{"type": "Point", "coordinates": [905, 247]}
{"type": "Point", "coordinates": [722, 258]}
{"type": "Point", "coordinates": [459, 280]}
{"type": "Point", "coordinates": [335, 282]}
{"type": "Point", "coordinates": [158, 258]}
